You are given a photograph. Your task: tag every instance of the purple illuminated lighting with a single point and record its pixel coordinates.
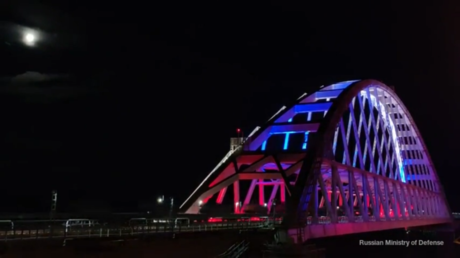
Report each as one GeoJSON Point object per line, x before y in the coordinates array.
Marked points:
{"type": "Point", "coordinates": [372, 146]}
{"type": "Point", "coordinates": [329, 93]}
{"type": "Point", "coordinates": [389, 122]}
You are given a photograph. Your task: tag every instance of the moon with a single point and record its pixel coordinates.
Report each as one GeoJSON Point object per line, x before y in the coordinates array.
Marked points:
{"type": "Point", "coordinates": [30, 38]}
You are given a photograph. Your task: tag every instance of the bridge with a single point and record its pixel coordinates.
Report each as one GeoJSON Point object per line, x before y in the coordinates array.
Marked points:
{"type": "Point", "coordinates": [46, 229]}
{"type": "Point", "coordinates": [345, 159]}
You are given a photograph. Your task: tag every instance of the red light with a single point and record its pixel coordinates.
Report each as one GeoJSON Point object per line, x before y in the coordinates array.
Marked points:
{"type": "Point", "coordinates": [238, 130]}
{"type": "Point", "coordinates": [214, 220]}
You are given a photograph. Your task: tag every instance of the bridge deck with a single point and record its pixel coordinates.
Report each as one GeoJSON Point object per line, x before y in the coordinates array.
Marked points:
{"type": "Point", "coordinates": [328, 230]}
{"type": "Point", "coordinates": [48, 232]}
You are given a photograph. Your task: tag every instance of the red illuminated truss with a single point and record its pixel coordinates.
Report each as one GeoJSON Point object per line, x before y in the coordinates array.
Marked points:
{"type": "Point", "coordinates": [349, 157]}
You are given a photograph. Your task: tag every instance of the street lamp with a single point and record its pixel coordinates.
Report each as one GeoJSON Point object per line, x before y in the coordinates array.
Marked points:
{"type": "Point", "coordinates": [162, 199]}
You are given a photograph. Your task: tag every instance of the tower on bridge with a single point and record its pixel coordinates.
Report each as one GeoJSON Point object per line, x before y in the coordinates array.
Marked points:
{"type": "Point", "coordinates": [349, 157]}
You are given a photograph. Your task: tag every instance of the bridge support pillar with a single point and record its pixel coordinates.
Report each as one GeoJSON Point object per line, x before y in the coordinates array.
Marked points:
{"type": "Point", "coordinates": [236, 196]}
{"type": "Point", "coordinates": [283, 192]}
{"type": "Point", "coordinates": [261, 193]}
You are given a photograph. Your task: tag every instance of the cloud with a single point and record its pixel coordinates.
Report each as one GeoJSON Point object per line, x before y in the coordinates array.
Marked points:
{"type": "Point", "coordinates": [33, 77]}
{"type": "Point", "coordinates": [35, 86]}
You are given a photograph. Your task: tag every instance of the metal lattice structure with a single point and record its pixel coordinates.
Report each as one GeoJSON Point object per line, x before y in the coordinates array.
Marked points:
{"type": "Point", "coordinates": [350, 158]}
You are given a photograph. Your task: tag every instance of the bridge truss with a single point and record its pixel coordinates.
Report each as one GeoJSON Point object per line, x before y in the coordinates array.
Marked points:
{"type": "Point", "coordinates": [348, 156]}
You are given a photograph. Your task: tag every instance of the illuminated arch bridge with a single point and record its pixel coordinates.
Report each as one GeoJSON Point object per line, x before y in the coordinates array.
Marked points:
{"type": "Point", "coordinates": [348, 156]}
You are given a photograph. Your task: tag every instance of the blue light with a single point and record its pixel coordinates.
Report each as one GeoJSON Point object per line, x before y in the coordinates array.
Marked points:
{"type": "Point", "coordinates": [328, 94]}
{"type": "Point", "coordinates": [264, 145]}
{"type": "Point", "coordinates": [401, 173]}
{"type": "Point", "coordinates": [286, 141]}
{"type": "Point", "coordinates": [283, 132]}
{"type": "Point", "coordinates": [407, 162]}
{"type": "Point", "coordinates": [304, 146]}
{"type": "Point", "coordinates": [341, 85]}
{"type": "Point", "coordinates": [290, 120]}
{"type": "Point", "coordinates": [312, 107]}
{"type": "Point", "coordinates": [354, 157]}
{"type": "Point", "coordinates": [415, 177]}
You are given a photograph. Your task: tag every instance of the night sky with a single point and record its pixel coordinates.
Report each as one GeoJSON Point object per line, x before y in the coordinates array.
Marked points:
{"type": "Point", "coordinates": [137, 99]}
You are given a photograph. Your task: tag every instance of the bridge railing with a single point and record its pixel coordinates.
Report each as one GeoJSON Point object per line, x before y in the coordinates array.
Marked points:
{"type": "Point", "coordinates": [345, 219]}
{"type": "Point", "coordinates": [56, 231]}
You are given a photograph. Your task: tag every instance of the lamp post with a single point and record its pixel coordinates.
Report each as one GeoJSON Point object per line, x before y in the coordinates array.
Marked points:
{"type": "Point", "coordinates": [53, 204]}
{"type": "Point", "coordinates": [162, 199]}
{"type": "Point", "coordinates": [171, 207]}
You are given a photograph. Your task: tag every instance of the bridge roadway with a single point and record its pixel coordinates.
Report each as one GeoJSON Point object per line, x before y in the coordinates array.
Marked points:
{"type": "Point", "coordinates": [42, 230]}
{"type": "Point", "coordinates": [46, 229]}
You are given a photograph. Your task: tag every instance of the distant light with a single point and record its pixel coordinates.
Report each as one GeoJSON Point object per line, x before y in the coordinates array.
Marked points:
{"type": "Point", "coordinates": [160, 200]}
{"type": "Point", "coordinates": [265, 204]}
{"type": "Point", "coordinates": [238, 130]}
{"type": "Point", "coordinates": [237, 203]}
{"type": "Point", "coordinates": [200, 202]}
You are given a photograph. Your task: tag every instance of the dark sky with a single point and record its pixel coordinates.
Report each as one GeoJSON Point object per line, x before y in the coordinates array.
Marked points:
{"type": "Point", "coordinates": [150, 94]}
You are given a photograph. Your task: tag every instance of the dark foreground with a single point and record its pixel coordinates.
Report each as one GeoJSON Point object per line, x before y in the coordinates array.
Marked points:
{"type": "Point", "coordinates": [201, 245]}
{"type": "Point", "coordinates": [205, 245]}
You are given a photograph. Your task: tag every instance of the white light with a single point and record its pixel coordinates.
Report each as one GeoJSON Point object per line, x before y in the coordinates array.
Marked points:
{"type": "Point", "coordinates": [30, 38]}
{"type": "Point", "coordinates": [160, 200]}
{"type": "Point", "coordinates": [265, 205]}
{"type": "Point", "coordinates": [236, 204]}
{"type": "Point", "coordinates": [200, 202]}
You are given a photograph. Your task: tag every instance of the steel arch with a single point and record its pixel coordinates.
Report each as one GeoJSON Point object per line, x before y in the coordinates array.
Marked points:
{"type": "Point", "coordinates": [324, 142]}
{"type": "Point", "coordinates": [383, 171]}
